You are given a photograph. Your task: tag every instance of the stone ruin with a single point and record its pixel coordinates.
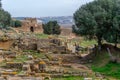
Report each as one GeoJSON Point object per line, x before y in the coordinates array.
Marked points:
{"type": "Point", "coordinates": [17, 65]}
{"type": "Point", "coordinates": [29, 67]}
{"type": "Point", "coordinates": [32, 67]}
{"type": "Point", "coordinates": [51, 45]}
{"type": "Point", "coordinates": [41, 45]}
{"type": "Point", "coordinates": [31, 25]}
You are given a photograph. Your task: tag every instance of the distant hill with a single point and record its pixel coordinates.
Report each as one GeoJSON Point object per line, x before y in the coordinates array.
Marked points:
{"type": "Point", "coordinates": [64, 21]}
{"type": "Point", "coordinates": [19, 18]}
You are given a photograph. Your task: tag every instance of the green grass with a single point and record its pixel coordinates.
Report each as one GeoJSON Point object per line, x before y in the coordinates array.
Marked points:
{"type": "Point", "coordinates": [110, 69]}
{"type": "Point", "coordinates": [69, 78]}
{"type": "Point", "coordinates": [20, 58]}
{"type": "Point", "coordinates": [35, 54]}
{"type": "Point", "coordinates": [42, 36]}
{"type": "Point", "coordinates": [102, 64]}
{"type": "Point", "coordinates": [3, 63]}
{"type": "Point", "coordinates": [86, 43]}
{"type": "Point", "coordinates": [23, 58]}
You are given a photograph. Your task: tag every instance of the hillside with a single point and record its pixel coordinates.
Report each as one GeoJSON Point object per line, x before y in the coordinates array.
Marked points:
{"type": "Point", "coordinates": [101, 63]}
{"type": "Point", "coordinates": [66, 21]}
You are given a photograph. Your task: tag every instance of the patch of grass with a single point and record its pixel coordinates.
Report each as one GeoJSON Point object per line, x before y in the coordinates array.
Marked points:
{"type": "Point", "coordinates": [21, 58]}
{"type": "Point", "coordinates": [35, 54]}
{"type": "Point", "coordinates": [101, 64]}
{"type": "Point", "coordinates": [3, 63]}
{"type": "Point", "coordinates": [42, 36]}
{"type": "Point", "coordinates": [110, 69]}
{"type": "Point", "coordinates": [86, 43]}
{"type": "Point", "coordinates": [38, 55]}
{"type": "Point", "coordinates": [69, 78]}
{"type": "Point", "coordinates": [24, 57]}
{"type": "Point", "coordinates": [32, 51]}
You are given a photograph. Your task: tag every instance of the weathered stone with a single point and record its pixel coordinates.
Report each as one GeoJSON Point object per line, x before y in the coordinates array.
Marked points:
{"type": "Point", "coordinates": [1, 78]}
{"type": "Point", "coordinates": [67, 65]}
{"type": "Point", "coordinates": [97, 74]}
{"type": "Point", "coordinates": [26, 67]}
{"type": "Point", "coordinates": [88, 79]}
{"type": "Point", "coordinates": [85, 74]}
{"type": "Point", "coordinates": [14, 65]}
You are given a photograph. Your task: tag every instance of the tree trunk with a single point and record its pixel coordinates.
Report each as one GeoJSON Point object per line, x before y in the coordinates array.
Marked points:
{"type": "Point", "coordinates": [99, 43]}
{"type": "Point", "coordinates": [115, 45]}
{"type": "Point", "coordinates": [116, 42]}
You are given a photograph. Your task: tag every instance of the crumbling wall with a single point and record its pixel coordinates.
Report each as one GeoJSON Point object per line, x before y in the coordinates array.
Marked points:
{"type": "Point", "coordinates": [27, 23]}
{"type": "Point", "coordinates": [27, 44]}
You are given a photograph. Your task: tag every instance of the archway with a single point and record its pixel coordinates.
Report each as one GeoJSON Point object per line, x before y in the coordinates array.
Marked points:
{"type": "Point", "coordinates": [31, 29]}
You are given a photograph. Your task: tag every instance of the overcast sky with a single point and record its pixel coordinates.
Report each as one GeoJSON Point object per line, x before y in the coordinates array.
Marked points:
{"type": "Point", "coordinates": [42, 8]}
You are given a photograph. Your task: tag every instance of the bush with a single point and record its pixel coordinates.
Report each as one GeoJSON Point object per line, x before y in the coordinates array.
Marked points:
{"type": "Point", "coordinates": [52, 27]}
{"type": "Point", "coordinates": [16, 23]}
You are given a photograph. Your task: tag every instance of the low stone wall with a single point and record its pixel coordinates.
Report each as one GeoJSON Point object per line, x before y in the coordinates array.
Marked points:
{"type": "Point", "coordinates": [31, 46]}
{"type": "Point", "coordinates": [14, 65]}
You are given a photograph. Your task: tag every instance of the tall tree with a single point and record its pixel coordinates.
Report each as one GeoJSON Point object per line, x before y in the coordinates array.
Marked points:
{"type": "Point", "coordinates": [5, 17]}
{"type": "Point", "coordinates": [0, 4]}
{"type": "Point", "coordinates": [98, 19]}
{"type": "Point", "coordinates": [113, 35]}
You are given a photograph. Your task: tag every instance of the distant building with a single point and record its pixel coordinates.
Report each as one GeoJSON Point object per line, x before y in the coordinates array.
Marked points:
{"type": "Point", "coordinates": [31, 25]}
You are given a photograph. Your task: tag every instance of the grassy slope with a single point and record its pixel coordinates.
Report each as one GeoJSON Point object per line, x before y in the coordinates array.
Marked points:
{"type": "Point", "coordinates": [101, 64]}
{"type": "Point", "coordinates": [110, 69]}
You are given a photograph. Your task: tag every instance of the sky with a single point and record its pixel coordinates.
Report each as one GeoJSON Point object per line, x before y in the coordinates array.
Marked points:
{"type": "Point", "coordinates": [42, 8]}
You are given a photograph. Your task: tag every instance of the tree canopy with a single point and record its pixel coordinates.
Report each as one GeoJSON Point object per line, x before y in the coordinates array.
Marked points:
{"type": "Point", "coordinates": [5, 17]}
{"type": "Point", "coordinates": [100, 19]}
{"type": "Point", "coordinates": [52, 27]}
{"type": "Point", "coordinates": [16, 23]}
{"type": "Point", "coordinates": [0, 4]}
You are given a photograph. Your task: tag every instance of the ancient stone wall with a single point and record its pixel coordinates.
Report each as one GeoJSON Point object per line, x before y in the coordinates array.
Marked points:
{"type": "Point", "coordinates": [27, 44]}
{"type": "Point", "coordinates": [45, 45]}
{"type": "Point", "coordinates": [31, 25]}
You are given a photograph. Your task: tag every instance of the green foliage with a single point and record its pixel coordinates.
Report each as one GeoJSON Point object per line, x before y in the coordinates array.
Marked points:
{"type": "Point", "coordinates": [114, 36]}
{"type": "Point", "coordinates": [5, 17]}
{"type": "Point", "coordinates": [52, 27]}
{"type": "Point", "coordinates": [0, 4]}
{"type": "Point", "coordinates": [99, 19]}
{"type": "Point", "coordinates": [16, 23]}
